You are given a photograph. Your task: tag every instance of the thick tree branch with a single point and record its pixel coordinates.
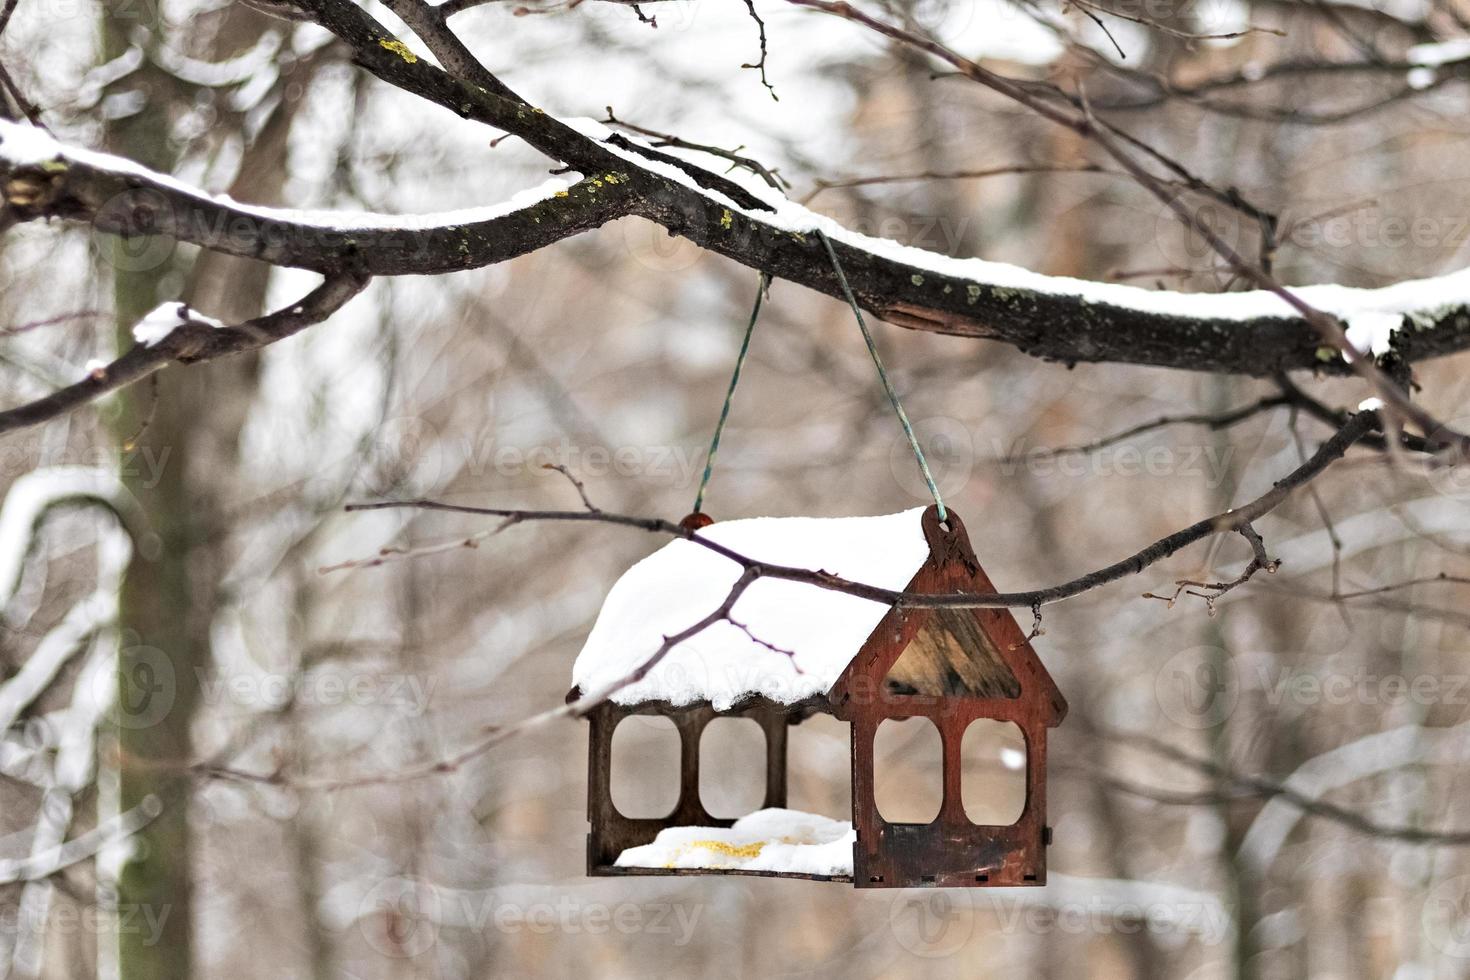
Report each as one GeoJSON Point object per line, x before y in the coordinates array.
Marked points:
{"type": "Point", "coordinates": [1055, 319]}
{"type": "Point", "coordinates": [1121, 147]}
{"type": "Point", "coordinates": [1062, 325]}
{"type": "Point", "coordinates": [118, 197]}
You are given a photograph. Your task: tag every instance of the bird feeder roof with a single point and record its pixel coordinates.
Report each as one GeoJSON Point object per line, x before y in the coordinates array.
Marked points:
{"type": "Point", "coordinates": [816, 632]}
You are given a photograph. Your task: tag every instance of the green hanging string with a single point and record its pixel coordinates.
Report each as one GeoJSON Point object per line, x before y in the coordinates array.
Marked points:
{"type": "Point", "coordinates": [903, 418]}
{"type": "Point", "coordinates": [714, 446]}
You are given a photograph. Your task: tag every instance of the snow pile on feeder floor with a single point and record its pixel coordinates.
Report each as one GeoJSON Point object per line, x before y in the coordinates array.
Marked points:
{"type": "Point", "coordinates": [767, 840]}
{"type": "Point", "coordinates": [797, 638]}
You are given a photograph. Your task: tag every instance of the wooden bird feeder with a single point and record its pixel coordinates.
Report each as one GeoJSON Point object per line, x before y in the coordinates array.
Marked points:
{"type": "Point", "coordinates": [952, 666]}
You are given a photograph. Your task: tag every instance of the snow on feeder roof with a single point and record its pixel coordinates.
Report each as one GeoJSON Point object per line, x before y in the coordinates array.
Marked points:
{"type": "Point", "coordinates": [683, 582]}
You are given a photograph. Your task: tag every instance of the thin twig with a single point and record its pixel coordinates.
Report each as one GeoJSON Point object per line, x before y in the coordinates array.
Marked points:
{"type": "Point", "coordinates": [1443, 578]}
{"type": "Point", "coordinates": [1263, 788]}
{"type": "Point", "coordinates": [1211, 420]}
{"type": "Point", "coordinates": [51, 321]}
{"type": "Point", "coordinates": [581, 489]}
{"type": "Point", "coordinates": [821, 185]}
{"type": "Point", "coordinates": [191, 342]}
{"type": "Point", "coordinates": [760, 65]}
{"type": "Point", "coordinates": [1321, 507]}
{"type": "Point", "coordinates": [1036, 628]}
{"type": "Point", "coordinates": [1227, 521]}
{"type": "Point", "coordinates": [494, 735]}
{"type": "Point", "coordinates": [1087, 5]}
{"type": "Point", "coordinates": [1331, 331]}
{"type": "Point", "coordinates": [1260, 561]}
{"type": "Point", "coordinates": [660, 139]}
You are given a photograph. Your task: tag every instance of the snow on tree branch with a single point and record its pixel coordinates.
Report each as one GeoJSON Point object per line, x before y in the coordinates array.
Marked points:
{"type": "Point", "coordinates": [1055, 318]}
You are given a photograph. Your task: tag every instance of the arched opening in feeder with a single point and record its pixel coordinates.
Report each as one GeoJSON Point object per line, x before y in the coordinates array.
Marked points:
{"type": "Point", "coordinates": [819, 753]}
{"type": "Point", "coordinates": [908, 770]}
{"type": "Point", "coordinates": [644, 767]}
{"type": "Point", "coordinates": [732, 767]}
{"type": "Point", "coordinates": [967, 676]}
{"type": "Point", "coordinates": [993, 781]}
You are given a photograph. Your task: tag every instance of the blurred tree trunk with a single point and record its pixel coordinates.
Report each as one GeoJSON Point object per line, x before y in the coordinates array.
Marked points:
{"type": "Point", "coordinates": [179, 441]}
{"type": "Point", "coordinates": [164, 634]}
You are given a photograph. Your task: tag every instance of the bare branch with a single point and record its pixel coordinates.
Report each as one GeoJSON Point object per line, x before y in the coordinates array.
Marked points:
{"type": "Point", "coordinates": [760, 65]}
{"type": "Point", "coordinates": [451, 7]}
{"type": "Point", "coordinates": [495, 735]}
{"type": "Point", "coordinates": [581, 488]}
{"type": "Point", "coordinates": [1214, 421]}
{"type": "Point", "coordinates": [1087, 5]}
{"type": "Point", "coordinates": [1020, 168]}
{"type": "Point", "coordinates": [120, 198]}
{"type": "Point", "coordinates": [1214, 590]}
{"type": "Point", "coordinates": [752, 571]}
{"type": "Point", "coordinates": [6, 13]}
{"type": "Point", "coordinates": [669, 139]}
{"type": "Point", "coordinates": [196, 341]}
{"type": "Point", "coordinates": [51, 321]}
{"type": "Point", "coordinates": [1231, 520]}
{"type": "Point", "coordinates": [1257, 787]}
{"type": "Point", "coordinates": [1059, 324]}
{"type": "Point", "coordinates": [1443, 578]}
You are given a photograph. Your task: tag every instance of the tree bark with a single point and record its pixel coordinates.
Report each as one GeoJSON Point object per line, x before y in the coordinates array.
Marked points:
{"type": "Point", "coordinates": [163, 632]}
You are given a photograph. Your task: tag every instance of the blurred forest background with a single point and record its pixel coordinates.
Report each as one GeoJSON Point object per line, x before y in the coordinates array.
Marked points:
{"type": "Point", "coordinates": [608, 354]}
